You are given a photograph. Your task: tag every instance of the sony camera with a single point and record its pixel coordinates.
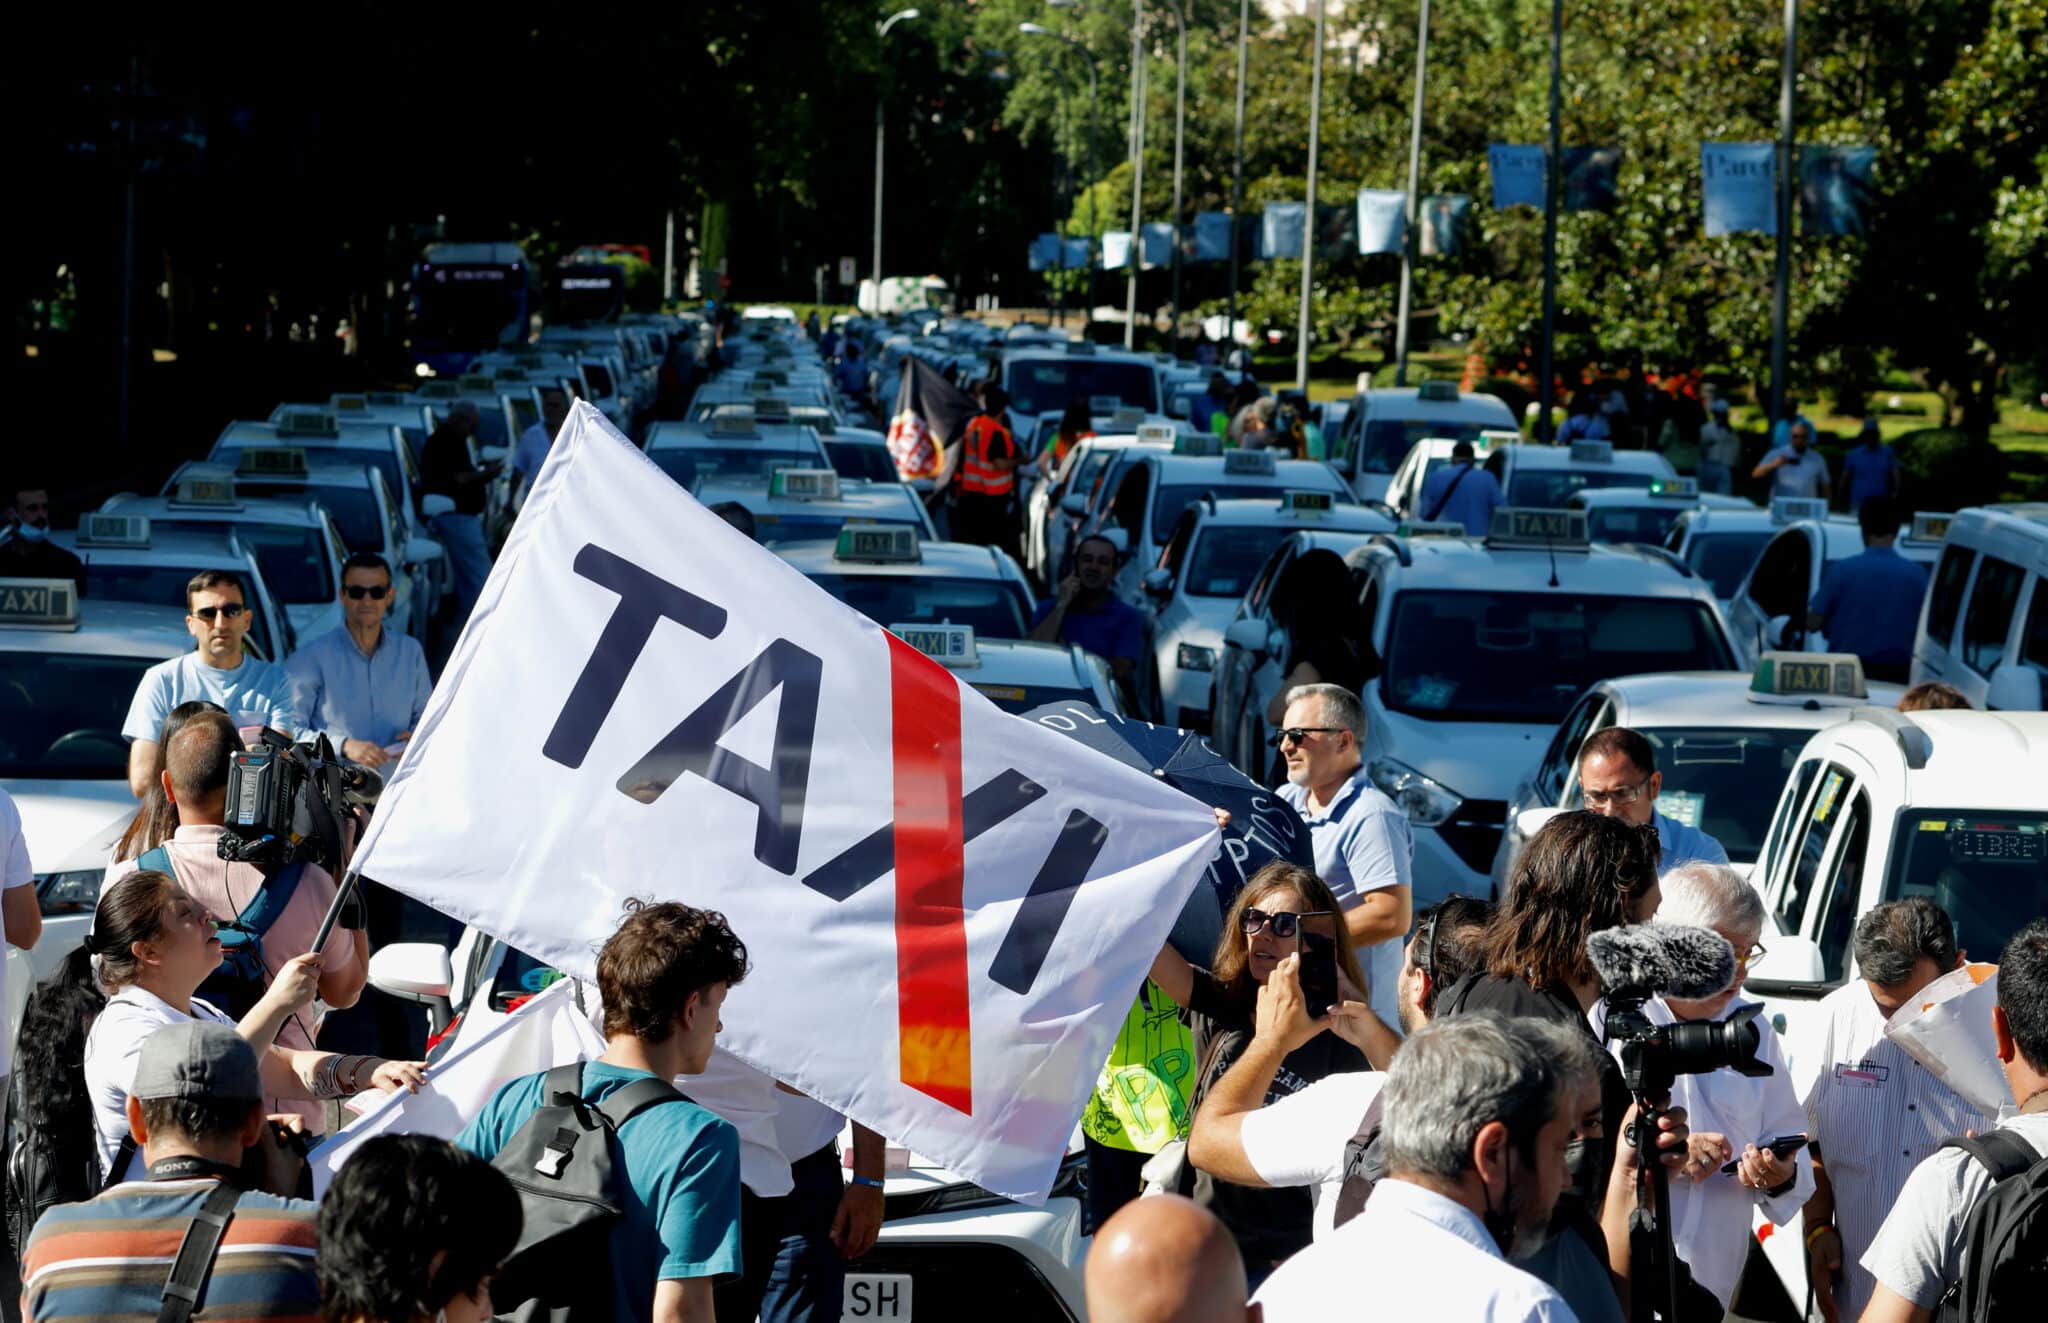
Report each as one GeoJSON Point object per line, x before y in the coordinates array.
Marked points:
{"type": "Point", "coordinates": [1653, 1056]}
{"type": "Point", "coordinates": [288, 803]}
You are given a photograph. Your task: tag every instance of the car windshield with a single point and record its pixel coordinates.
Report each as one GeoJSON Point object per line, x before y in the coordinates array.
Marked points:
{"type": "Point", "coordinates": [1021, 698]}
{"type": "Point", "coordinates": [1725, 780]}
{"type": "Point", "coordinates": [64, 714]}
{"type": "Point", "coordinates": [1455, 656]}
{"type": "Point", "coordinates": [773, 530]}
{"type": "Point", "coordinates": [686, 466]}
{"type": "Point", "coordinates": [161, 585]}
{"type": "Point", "coordinates": [1633, 523]}
{"type": "Point", "coordinates": [1988, 870]}
{"type": "Point", "coordinates": [1551, 489]}
{"type": "Point", "coordinates": [1046, 385]}
{"type": "Point", "coordinates": [293, 559]}
{"type": "Point", "coordinates": [1388, 440]}
{"type": "Point", "coordinates": [1226, 560]}
{"type": "Point", "coordinates": [1723, 558]}
{"type": "Point", "coordinates": [851, 459]}
{"type": "Point", "coordinates": [993, 607]}
{"type": "Point", "coordinates": [1166, 510]}
{"type": "Point", "coordinates": [354, 509]}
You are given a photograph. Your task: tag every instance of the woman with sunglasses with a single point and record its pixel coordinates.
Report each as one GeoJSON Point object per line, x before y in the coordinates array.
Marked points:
{"type": "Point", "coordinates": [1283, 910]}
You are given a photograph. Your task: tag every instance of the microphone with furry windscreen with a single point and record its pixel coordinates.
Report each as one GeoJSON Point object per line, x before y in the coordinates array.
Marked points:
{"type": "Point", "coordinates": [1668, 959]}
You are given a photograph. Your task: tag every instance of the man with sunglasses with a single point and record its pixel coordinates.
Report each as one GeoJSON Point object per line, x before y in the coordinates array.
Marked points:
{"type": "Point", "coordinates": [1361, 840]}
{"type": "Point", "coordinates": [361, 685]}
{"type": "Point", "coordinates": [1618, 778]}
{"type": "Point", "coordinates": [252, 691]}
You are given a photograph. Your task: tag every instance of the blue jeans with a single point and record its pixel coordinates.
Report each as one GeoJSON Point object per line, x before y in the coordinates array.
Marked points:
{"type": "Point", "coordinates": [463, 536]}
{"type": "Point", "coordinates": [808, 1281]}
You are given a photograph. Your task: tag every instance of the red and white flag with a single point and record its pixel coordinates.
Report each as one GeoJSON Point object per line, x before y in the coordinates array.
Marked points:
{"type": "Point", "coordinates": [948, 909]}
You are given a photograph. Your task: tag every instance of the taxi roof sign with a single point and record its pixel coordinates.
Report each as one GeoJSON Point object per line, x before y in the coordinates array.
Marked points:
{"type": "Point", "coordinates": [1527, 526]}
{"type": "Point", "coordinates": [273, 462]}
{"type": "Point", "coordinates": [1306, 502]}
{"type": "Point", "coordinates": [733, 420]}
{"type": "Point", "coordinates": [113, 530]}
{"type": "Point", "coordinates": [948, 645]}
{"type": "Point", "coordinates": [879, 544]}
{"type": "Point", "coordinates": [1437, 390]}
{"type": "Point", "coordinates": [1430, 528]}
{"type": "Point", "coordinates": [805, 484]}
{"type": "Point", "coordinates": [1259, 462]}
{"type": "Point", "coordinates": [1592, 452]}
{"type": "Point", "coordinates": [1803, 677]}
{"type": "Point", "coordinates": [308, 422]}
{"type": "Point", "coordinates": [205, 489]}
{"type": "Point", "coordinates": [1676, 489]}
{"type": "Point", "coordinates": [1197, 443]}
{"type": "Point", "coordinates": [1785, 509]}
{"type": "Point", "coordinates": [1496, 436]}
{"type": "Point", "coordinates": [1929, 526]}
{"type": "Point", "coordinates": [1158, 434]}
{"type": "Point", "coordinates": [348, 403]}
{"type": "Point", "coordinates": [39, 603]}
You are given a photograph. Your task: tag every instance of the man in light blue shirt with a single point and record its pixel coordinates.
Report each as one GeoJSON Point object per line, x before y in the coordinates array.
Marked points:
{"type": "Point", "coordinates": [254, 692]}
{"type": "Point", "coordinates": [1361, 840]}
{"type": "Point", "coordinates": [1795, 469]}
{"type": "Point", "coordinates": [535, 441]}
{"type": "Point", "coordinates": [1462, 492]}
{"type": "Point", "coordinates": [1870, 604]}
{"type": "Point", "coordinates": [1618, 778]}
{"type": "Point", "coordinates": [362, 686]}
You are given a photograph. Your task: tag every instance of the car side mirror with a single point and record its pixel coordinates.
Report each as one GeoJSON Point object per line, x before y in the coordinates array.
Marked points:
{"type": "Point", "coordinates": [2014, 688]}
{"type": "Point", "coordinates": [1788, 959]}
{"type": "Point", "coordinates": [1249, 634]}
{"type": "Point", "coordinates": [413, 971]}
{"type": "Point", "coordinates": [1530, 821]}
{"type": "Point", "coordinates": [422, 551]}
{"type": "Point", "coordinates": [1075, 505]}
{"type": "Point", "coordinates": [435, 505]}
{"type": "Point", "coordinates": [1158, 582]}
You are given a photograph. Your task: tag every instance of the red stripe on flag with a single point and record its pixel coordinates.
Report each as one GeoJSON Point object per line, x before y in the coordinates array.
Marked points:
{"type": "Point", "coordinates": [933, 1033]}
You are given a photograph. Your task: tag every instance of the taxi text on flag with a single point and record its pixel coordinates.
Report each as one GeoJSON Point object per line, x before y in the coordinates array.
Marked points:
{"type": "Point", "coordinates": [948, 910]}
{"type": "Point", "coordinates": [931, 414]}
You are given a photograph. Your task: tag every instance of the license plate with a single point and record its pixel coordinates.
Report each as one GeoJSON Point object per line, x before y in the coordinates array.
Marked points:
{"type": "Point", "coordinates": [876, 1298]}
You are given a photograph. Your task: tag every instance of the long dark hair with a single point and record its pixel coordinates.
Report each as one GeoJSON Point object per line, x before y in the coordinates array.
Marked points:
{"type": "Point", "coordinates": [50, 1058]}
{"type": "Point", "coordinates": [401, 1200]}
{"type": "Point", "coordinates": [1578, 877]}
{"type": "Point", "coordinates": [157, 818]}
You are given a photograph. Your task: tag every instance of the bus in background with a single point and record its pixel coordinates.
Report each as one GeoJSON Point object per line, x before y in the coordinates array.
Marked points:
{"type": "Point", "coordinates": [467, 298]}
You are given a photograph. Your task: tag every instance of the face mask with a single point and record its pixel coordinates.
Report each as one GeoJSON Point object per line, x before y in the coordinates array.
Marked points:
{"type": "Point", "coordinates": [1500, 1223]}
{"type": "Point", "coordinates": [30, 533]}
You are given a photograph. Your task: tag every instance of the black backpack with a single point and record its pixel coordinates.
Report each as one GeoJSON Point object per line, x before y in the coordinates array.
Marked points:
{"type": "Point", "coordinates": [2005, 1241]}
{"type": "Point", "coordinates": [240, 981]}
{"type": "Point", "coordinates": [45, 1169]}
{"type": "Point", "coordinates": [566, 1167]}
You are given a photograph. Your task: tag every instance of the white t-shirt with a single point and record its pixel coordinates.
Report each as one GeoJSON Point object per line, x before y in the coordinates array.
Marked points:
{"type": "Point", "coordinates": [1300, 1139]}
{"type": "Point", "coordinates": [15, 871]}
{"type": "Point", "coordinates": [804, 1125]}
{"type": "Point", "coordinates": [111, 1049]}
{"type": "Point", "coordinates": [1919, 1249]}
{"type": "Point", "coordinates": [750, 1101]}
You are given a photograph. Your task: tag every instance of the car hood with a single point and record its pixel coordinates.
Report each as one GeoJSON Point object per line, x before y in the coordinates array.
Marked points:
{"type": "Point", "coordinates": [71, 825]}
{"type": "Point", "coordinates": [1473, 759]}
{"type": "Point", "coordinates": [1207, 618]}
{"type": "Point", "coordinates": [1372, 486]}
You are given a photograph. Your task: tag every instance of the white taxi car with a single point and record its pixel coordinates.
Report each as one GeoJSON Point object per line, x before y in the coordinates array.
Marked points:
{"type": "Point", "coordinates": [1403, 493]}
{"type": "Point", "coordinates": [1769, 607]}
{"type": "Point", "coordinates": [68, 671]}
{"type": "Point", "coordinates": [1720, 544]}
{"type": "Point", "coordinates": [1546, 476]}
{"type": "Point", "coordinates": [126, 560]}
{"type": "Point", "coordinates": [1646, 514]}
{"type": "Point", "coordinates": [1015, 674]}
{"type": "Point", "coordinates": [1371, 447]}
{"type": "Point", "coordinates": [733, 443]}
{"type": "Point", "coordinates": [331, 437]}
{"type": "Point", "coordinates": [1057, 507]}
{"type": "Point", "coordinates": [1210, 559]}
{"type": "Point", "coordinates": [807, 504]}
{"type": "Point", "coordinates": [1984, 625]}
{"type": "Point", "coordinates": [1724, 742]}
{"type": "Point", "coordinates": [891, 575]}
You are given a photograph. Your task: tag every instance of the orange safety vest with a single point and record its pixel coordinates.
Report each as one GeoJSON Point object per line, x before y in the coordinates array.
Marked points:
{"type": "Point", "coordinates": [977, 475]}
{"type": "Point", "coordinates": [1061, 445]}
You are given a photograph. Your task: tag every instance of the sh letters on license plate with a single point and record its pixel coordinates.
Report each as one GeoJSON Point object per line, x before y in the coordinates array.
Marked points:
{"type": "Point", "coordinates": [876, 1298]}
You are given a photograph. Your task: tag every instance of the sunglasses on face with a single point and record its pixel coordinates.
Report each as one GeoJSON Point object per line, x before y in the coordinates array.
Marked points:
{"type": "Point", "coordinates": [229, 612]}
{"type": "Point", "coordinates": [1299, 734]}
{"type": "Point", "coordinates": [357, 592]}
{"type": "Point", "coordinates": [1282, 923]}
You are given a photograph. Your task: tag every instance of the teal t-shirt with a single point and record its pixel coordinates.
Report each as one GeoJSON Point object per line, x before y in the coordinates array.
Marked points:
{"type": "Point", "coordinates": [682, 1201]}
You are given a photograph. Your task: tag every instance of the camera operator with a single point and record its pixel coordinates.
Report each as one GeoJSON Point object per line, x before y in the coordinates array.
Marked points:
{"type": "Point", "coordinates": [1729, 1113]}
{"type": "Point", "coordinates": [1480, 1111]}
{"type": "Point", "coordinates": [1583, 873]}
{"type": "Point", "coordinates": [195, 780]}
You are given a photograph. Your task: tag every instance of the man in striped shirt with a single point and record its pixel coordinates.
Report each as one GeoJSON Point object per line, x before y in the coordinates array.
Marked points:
{"type": "Point", "coordinates": [196, 1108]}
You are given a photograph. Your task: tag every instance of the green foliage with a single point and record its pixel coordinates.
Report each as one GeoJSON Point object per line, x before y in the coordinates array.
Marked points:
{"type": "Point", "coordinates": [1945, 468]}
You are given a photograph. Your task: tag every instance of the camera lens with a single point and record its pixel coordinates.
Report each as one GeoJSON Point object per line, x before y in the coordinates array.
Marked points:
{"type": "Point", "coordinates": [1698, 1046]}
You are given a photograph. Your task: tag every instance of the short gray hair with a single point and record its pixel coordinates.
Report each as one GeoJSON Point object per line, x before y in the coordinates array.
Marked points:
{"type": "Point", "coordinates": [1341, 707]}
{"type": "Point", "coordinates": [1710, 896]}
{"type": "Point", "coordinates": [1453, 1077]}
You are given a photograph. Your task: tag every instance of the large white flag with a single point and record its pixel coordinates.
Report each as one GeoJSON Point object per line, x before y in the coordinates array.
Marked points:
{"type": "Point", "coordinates": [948, 909]}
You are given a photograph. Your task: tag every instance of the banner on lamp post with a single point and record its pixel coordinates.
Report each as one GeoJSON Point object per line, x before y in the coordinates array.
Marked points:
{"type": "Point", "coordinates": [1739, 187]}
{"type": "Point", "coordinates": [1382, 220]}
{"type": "Point", "coordinates": [1517, 173]}
{"type": "Point", "coordinates": [1211, 237]}
{"type": "Point", "coordinates": [1045, 252]}
{"type": "Point", "coordinates": [1835, 189]}
{"type": "Point", "coordinates": [1440, 219]}
{"type": "Point", "coordinates": [1280, 230]}
{"type": "Point", "coordinates": [1116, 250]}
{"type": "Point", "coordinates": [1158, 244]}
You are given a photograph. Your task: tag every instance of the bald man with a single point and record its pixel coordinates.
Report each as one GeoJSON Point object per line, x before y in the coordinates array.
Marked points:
{"type": "Point", "coordinates": [1166, 1259]}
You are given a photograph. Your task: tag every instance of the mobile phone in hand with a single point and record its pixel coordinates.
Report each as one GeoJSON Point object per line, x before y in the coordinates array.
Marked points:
{"type": "Point", "coordinates": [1318, 973]}
{"type": "Point", "coordinates": [1784, 1146]}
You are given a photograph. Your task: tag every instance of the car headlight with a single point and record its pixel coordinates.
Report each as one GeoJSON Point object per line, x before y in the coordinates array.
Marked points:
{"type": "Point", "coordinates": [1194, 658]}
{"type": "Point", "coordinates": [70, 893]}
{"type": "Point", "coordinates": [1427, 803]}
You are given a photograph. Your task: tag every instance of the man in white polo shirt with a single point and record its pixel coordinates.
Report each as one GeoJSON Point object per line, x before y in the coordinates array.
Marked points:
{"type": "Point", "coordinates": [1361, 840]}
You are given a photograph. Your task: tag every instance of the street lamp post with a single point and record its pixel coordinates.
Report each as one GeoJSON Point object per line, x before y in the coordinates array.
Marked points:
{"type": "Point", "coordinates": [882, 33]}
{"type": "Point", "coordinates": [1180, 110]}
{"type": "Point", "coordinates": [1094, 235]}
{"type": "Point", "coordinates": [1244, 18]}
{"type": "Point", "coordinates": [1137, 252]}
{"type": "Point", "coordinates": [1414, 183]}
{"type": "Point", "coordinates": [1546, 385]}
{"type": "Point", "coordinates": [1787, 163]}
{"type": "Point", "coordinates": [1308, 221]}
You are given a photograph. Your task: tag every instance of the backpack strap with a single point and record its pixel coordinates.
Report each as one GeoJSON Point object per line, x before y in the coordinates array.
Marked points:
{"type": "Point", "coordinates": [266, 905]}
{"type": "Point", "coordinates": [112, 1176]}
{"type": "Point", "coordinates": [2001, 1153]}
{"type": "Point", "coordinates": [562, 1080]}
{"type": "Point", "coordinates": [156, 860]}
{"type": "Point", "coordinates": [194, 1264]}
{"type": "Point", "coordinates": [636, 1098]}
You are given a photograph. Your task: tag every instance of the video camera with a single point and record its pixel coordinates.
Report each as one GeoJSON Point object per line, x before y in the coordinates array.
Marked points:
{"type": "Point", "coordinates": [288, 802]}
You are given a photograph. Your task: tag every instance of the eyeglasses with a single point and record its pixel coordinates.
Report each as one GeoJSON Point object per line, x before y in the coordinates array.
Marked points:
{"type": "Point", "coordinates": [1284, 923]}
{"type": "Point", "coordinates": [1616, 798]}
{"type": "Point", "coordinates": [1744, 959]}
{"type": "Point", "coordinates": [229, 612]}
{"type": "Point", "coordinates": [1299, 734]}
{"type": "Point", "coordinates": [1425, 944]}
{"type": "Point", "coordinates": [357, 592]}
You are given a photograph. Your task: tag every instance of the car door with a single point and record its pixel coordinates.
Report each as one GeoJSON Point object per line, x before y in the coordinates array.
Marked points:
{"type": "Point", "coordinates": [1230, 687]}
{"type": "Point", "coordinates": [1777, 588]}
{"type": "Point", "coordinates": [1987, 622]}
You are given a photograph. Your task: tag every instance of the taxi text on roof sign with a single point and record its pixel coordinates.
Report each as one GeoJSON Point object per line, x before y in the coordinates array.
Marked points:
{"type": "Point", "coordinates": [40, 603]}
{"type": "Point", "coordinates": [950, 645]}
{"type": "Point", "coordinates": [1198, 443]}
{"type": "Point", "coordinates": [113, 530]}
{"type": "Point", "coordinates": [877, 543]}
{"type": "Point", "coordinates": [1685, 489]}
{"type": "Point", "coordinates": [1788, 508]}
{"type": "Point", "coordinates": [205, 491]}
{"type": "Point", "coordinates": [1157, 434]}
{"type": "Point", "coordinates": [1258, 462]}
{"type": "Point", "coordinates": [733, 421]}
{"type": "Point", "coordinates": [308, 423]}
{"type": "Point", "coordinates": [805, 484]}
{"type": "Point", "coordinates": [1929, 527]}
{"type": "Point", "coordinates": [1430, 528]}
{"type": "Point", "coordinates": [1808, 675]}
{"type": "Point", "coordinates": [274, 461]}
{"type": "Point", "coordinates": [1592, 452]}
{"type": "Point", "coordinates": [1515, 525]}
{"type": "Point", "coordinates": [1300, 502]}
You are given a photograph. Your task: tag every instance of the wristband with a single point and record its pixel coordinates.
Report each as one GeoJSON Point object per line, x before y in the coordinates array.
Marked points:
{"type": "Point", "coordinates": [1815, 1233]}
{"type": "Point", "coordinates": [870, 1182]}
